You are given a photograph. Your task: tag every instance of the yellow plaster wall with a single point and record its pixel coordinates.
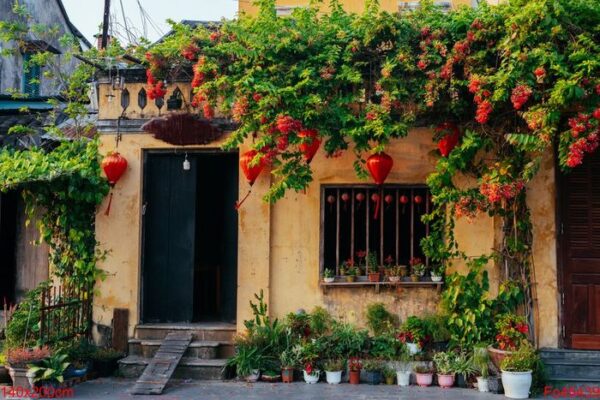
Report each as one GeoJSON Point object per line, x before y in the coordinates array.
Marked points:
{"type": "Point", "coordinates": [356, 6]}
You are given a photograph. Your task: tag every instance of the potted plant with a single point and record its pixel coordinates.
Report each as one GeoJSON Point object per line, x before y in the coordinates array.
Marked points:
{"type": "Point", "coordinates": [512, 332]}
{"type": "Point", "coordinates": [311, 374]}
{"type": "Point", "coordinates": [49, 372]}
{"type": "Point", "coordinates": [444, 364]}
{"type": "Point", "coordinates": [247, 361]}
{"type": "Point", "coordinates": [351, 273]}
{"type": "Point", "coordinates": [463, 367]}
{"type": "Point", "coordinates": [481, 359]}
{"type": "Point", "coordinates": [373, 370]}
{"type": "Point", "coordinates": [105, 361]}
{"type": "Point", "coordinates": [517, 371]}
{"type": "Point", "coordinates": [333, 371]}
{"type": "Point", "coordinates": [413, 334]}
{"type": "Point", "coordinates": [394, 274]}
{"type": "Point", "coordinates": [437, 273]}
{"type": "Point", "coordinates": [18, 360]}
{"type": "Point", "coordinates": [328, 276]}
{"type": "Point", "coordinates": [402, 270]}
{"type": "Point", "coordinates": [403, 370]}
{"type": "Point", "coordinates": [389, 374]}
{"type": "Point", "coordinates": [270, 376]}
{"type": "Point", "coordinates": [374, 274]}
{"type": "Point", "coordinates": [417, 268]}
{"type": "Point", "coordinates": [288, 361]}
{"type": "Point", "coordinates": [354, 368]}
{"type": "Point", "coordinates": [424, 375]}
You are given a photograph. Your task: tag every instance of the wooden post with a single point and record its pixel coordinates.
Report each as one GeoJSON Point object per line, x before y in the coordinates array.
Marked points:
{"type": "Point", "coordinates": [120, 328]}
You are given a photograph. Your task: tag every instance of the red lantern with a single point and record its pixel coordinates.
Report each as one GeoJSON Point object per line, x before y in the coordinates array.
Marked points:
{"type": "Point", "coordinates": [360, 197]}
{"type": "Point", "coordinates": [345, 197]}
{"type": "Point", "coordinates": [418, 199]}
{"type": "Point", "coordinates": [114, 166]}
{"type": "Point", "coordinates": [310, 143]}
{"type": "Point", "coordinates": [379, 166]}
{"type": "Point", "coordinates": [404, 199]}
{"type": "Point", "coordinates": [450, 139]}
{"type": "Point", "coordinates": [250, 172]}
{"type": "Point", "coordinates": [375, 197]}
{"type": "Point", "coordinates": [388, 199]}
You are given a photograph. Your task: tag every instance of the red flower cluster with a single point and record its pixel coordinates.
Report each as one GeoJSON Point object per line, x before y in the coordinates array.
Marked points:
{"type": "Point", "coordinates": [240, 109]}
{"type": "Point", "coordinates": [520, 96]}
{"type": "Point", "coordinates": [512, 331]}
{"type": "Point", "coordinates": [540, 73]}
{"type": "Point", "coordinates": [406, 337]}
{"type": "Point", "coordinates": [496, 192]}
{"type": "Point", "coordinates": [286, 124]}
{"type": "Point", "coordinates": [484, 109]}
{"type": "Point", "coordinates": [468, 207]}
{"type": "Point", "coordinates": [156, 88]}
{"type": "Point", "coordinates": [190, 52]}
{"type": "Point", "coordinates": [581, 146]}
{"type": "Point", "coordinates": [209, 112]}
{"type": "Point", "coordinates": [415, 261]}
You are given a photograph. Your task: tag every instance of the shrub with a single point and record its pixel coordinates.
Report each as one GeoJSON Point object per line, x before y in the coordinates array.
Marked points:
{"type": "Point", "coordinates": [444, 362]}
{"type": "Point", "coordinates": [333, 365]}
{"type": "Point", "coordinates": [524, 359]}
{"type": "Point", "coordinates": [20, 357]}
{"type": "Point", "coordinates": [379, 319]}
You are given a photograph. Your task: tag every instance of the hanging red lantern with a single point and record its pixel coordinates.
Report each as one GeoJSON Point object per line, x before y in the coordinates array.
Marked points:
{"type": "Point", "coordinates": [418, 199]}
{"type": "Point", "coordinates": [345, 197]}
{"type": "Point", "coordinates": [404, 201]}
{"type": "Point", "coordinates": [375, 197]}
{"type": "Point", "coordinates": [388, 199]}
{"type": "Point", "coordinates": [310, 143]}
{"type": "Point", "coordinates": [450, 138]}
{"type": "Point", "coordinates": [379, 166]}
{"type": "Point", "coordinates": [331, 199]}
{"type": "Point", "coordinates": [250, 172]}
{"type": "Point", "coordinates": [360, 197]}
{"type": "Point", "coordinates": [114, 166]}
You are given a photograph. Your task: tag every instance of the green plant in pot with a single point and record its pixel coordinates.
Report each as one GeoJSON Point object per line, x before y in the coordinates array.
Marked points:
{"type": "Point", "coordinates": [374, 274]}
{"type": "Point", "coordinates": [437, 326]}
{"type": "Point", "coordinates": [403, 368]}
{"type": "Point", "coordinates": [288, 360]}
{"type": "Point", "coordinates": [333, 370]}
{"type": "Point", "coordinates": [373, 370]}
{"type": "Point", "coordinates": [512, 331]}
{"type": "Point", "coordinates": [351, 273]}
{"type": "Point", "coordinates": [517, 371]}
{"type": "Point", "coordinates": [328, 275]}
{"type": "Point", "coordinates": [50, 371]}
{"type": "Point", "coordinates": [481, 360]}
{"type": "Point", "coordinates": [389, 374]}
{"type": "Point", "coordinates": [463, 366]}
{"type": "Point", "coordinates": [424, 375]}
{"type": "Point", "coordinates": [247, 361]}
{"type": "Point", "coordinates": [437, 273]}
{"type": "Point", "coordinates": [105, 361]}
{"type": "Point", "coordinates": [445, 366]}
{"type": "Point", "coordinates": [417, 269]}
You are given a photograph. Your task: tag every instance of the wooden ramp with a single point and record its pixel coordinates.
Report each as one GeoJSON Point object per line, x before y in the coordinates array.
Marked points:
{"type": "Point", "coordinates": [161, 367]}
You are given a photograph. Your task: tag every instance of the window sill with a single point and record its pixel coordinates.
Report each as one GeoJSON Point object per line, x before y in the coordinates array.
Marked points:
{"type": "Point", "coordinates": [378, 285]}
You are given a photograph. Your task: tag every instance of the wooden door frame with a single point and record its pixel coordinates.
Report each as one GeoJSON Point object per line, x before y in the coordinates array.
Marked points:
{"type": "Point", "coordinates": [560, 183]}
{"type": "Point", "coordinates": [141, 240]}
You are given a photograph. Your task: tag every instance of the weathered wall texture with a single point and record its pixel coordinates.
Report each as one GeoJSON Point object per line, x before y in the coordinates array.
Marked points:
{"type": "Point", "coordinates": [278, 248]}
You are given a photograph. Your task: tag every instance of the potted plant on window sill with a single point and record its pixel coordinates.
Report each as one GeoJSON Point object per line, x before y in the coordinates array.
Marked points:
{"type": "Point", "coordinates": [351, 273]}
{"type": "Point", "coordinates": [437, 274]}
{"type": "Point", "coordinates": [333, 371]}
{"type": "Point", "coordinates": [394, 275]}
{"type": "Point", "coordinates": [418, 269]}
{"type": "Point", "coordinates": [444, 364]}
{"type": "Point", "coordinates": [328, 276]}
{"type": "Point", "coordinates": [373, 370]}
{"type": "Point", "coordinates": [517, 371]}
{"type": "Point", "coordinates": [374, 274]}
{"type": "Point", "coordinates": [424, 375]}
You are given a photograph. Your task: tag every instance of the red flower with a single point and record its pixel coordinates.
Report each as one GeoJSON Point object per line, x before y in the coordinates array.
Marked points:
{"type": "Point", "coordinates": [209, 112]}
{"type": "Point", "coordinates": [539, 72]}
{"type": "Point", "coordinates": [256, 97]}
{"type": "Point", "coordinates": [520, 96]}
{"type": "Point", "coordinates": [214, 36]}
{"type": "Point", "coordinates": [190, 52]}
{"type": "Point", "coordinates": [484, 109]}
{"type": "Point", "coordinates": [596, 114]}
{"type": "Point", "coordinates": [371, 116]}
{"type": "Point", "coordinates": [308, 368]}
{"type": "Point", "coordinates": [361, 254]}
{"type": "Point", "coordinates": [287, 124]}
{"type": "Point", "coordinates": [421, 65]}
{"type": "Point", "coordinates": [523, 328]}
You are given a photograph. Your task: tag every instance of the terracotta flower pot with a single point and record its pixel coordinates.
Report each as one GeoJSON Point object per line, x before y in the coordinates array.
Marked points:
{"type": "Point", "coordinates": [374, 276]}
{"type": "Point", "coordinates": [287, 375]}
{"type": "Point", "coordinates": [350, 278]}
{"type": "Point", "coordinates": [497, 355]}
{"type": "Point", "coordinates": [354, 377]}
{"type": "Point", "coordinates": [445, 381]}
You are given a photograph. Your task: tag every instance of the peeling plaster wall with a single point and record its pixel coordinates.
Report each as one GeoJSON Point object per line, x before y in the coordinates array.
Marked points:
{"type": "Point", "coordinates": [278, 248]}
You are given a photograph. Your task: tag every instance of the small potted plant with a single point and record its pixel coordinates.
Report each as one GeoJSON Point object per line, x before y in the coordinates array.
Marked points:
{"type": "Point", "coordinates": [48, 374]}
{"type": "Point", "coordinates": [105, 361]}
{"type": "Point", "coordinates": [403, 369]}
{"type": "Point", "coordinates": [424, 375]}
{"type": "Point", "coordinates": [417, 269]}
{"type": "Point", "coordinates": [351, 273]}
{"type": "Point", "coordinates": [374, 274]}
{"type": "Point", "coordinates": [463, 366]}
{"type": "Point", "coordinates": [512, 332]}
{"type": "Point", "coordinates": [389, 374]}
{"type": "Point", "coordinates": [517, 371]}
{"type": "Point", "coordinates": [373, 370]}
{"type": "Point", "coordinates": [354, 368]}
{"type": "Point", "coordinates": [18, 360]}
{"type": "Point", "coordinates": [444, 364]}
{"type": "Point", "coordinates": [437, 273]}
{"type": "Point", "coordinates": [333, 371]}
{"type": "Point", "coordinates": [394, 274]}
{"type": "Point", "coordinates": [402, 270]}
{"type": "Point", "coordinates": [328, 276]}
{"type": "Point", "coordinates": [270, 375]}
{"type": "Point", "coordinates": [481, 359]}
{"type": "Point", "coordinates": [311, 373]}
{"type": "Point", "coordinates": [288, 361]}
{"type": "Point", "coordinates": [247, 361]}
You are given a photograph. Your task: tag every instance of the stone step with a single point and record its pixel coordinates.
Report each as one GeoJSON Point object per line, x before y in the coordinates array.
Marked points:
{"type": "Point", "coordinates": [217, 331]}
{"type": "Point", "coordinates": [188, 368]}
{"type": "Point", "coordinates": [203, 349]}
{"type": "Point", "coordinates": [571, 365]}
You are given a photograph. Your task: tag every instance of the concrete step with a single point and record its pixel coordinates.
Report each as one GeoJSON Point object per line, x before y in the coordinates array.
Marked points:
{"type": "Point", "coordinates": [203, 349]}
{"type": "Point", "coordinates": [571, 365]}
{"type": "Point", "coordinates": [188, 368]}
{"type": "Point", "coordinates": [214, 331]}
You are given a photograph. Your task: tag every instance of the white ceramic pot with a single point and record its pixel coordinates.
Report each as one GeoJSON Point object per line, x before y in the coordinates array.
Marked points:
{"type": "Point", "coordinates": [482, 384]}
{"type": "Point", "coordinates": [516, 384]}
{"type": "Point", "coordinates": [311, 378]}
{"type": "Point", "coordinates": [403, 378]}
{"type": "Point", "coordinates": [413, 348]}
{"type": "Point", "coordinates": [254, 376]}
{"type": "Point", "coordinates": [329, 280]}
{"type": "Point", "coordinates": [394, 278]}
{"type": "Point", "coordinates": [435, 278]}
{"type": "Point", "coordinates": [333, 377]}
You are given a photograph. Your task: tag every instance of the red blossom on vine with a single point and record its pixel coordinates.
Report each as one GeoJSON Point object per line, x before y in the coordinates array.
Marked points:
{"type": "Point", "coordinates": [256, 97]}
{"type": "Point", "coordinates": [520, 96]}
{"type": "Point", "coordinates": [421, 65]}
{"type": "Point", "coordinates": [209, 112]}
{"type": "Point", "coordinates": [286, 124]}
{"type": "Point", "coordinates": [240, 109]}
{"type": "Point", "coordinates": [540, 73]}
{"type": "Point", "coordinates": [484, 109]}
{"type": "Point", "coordinates": [190, 52]}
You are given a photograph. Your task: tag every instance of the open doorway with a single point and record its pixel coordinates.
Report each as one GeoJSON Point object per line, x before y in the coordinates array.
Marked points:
{"type": "Point", "coordinates": [8, 228]}
{"type": "Point", "coordinates": [189, 262]}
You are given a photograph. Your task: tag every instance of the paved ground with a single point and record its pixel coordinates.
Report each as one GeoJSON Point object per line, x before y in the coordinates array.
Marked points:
{"type": "Point", "coordinates": [117, 389]}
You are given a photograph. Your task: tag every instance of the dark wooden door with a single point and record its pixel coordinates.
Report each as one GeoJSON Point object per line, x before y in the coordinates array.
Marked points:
{"type": "Point", "coordinates": [8, 226]}
{"type": "Point", "coordinates": [169, 224]}
{"type": "Point", "coordinates": [580, 204]}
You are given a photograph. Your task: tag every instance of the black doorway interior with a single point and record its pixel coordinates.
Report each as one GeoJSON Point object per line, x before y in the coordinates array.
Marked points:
{"type": "Point", "coordinates": [8, 229]}
{"type": "Point", "coordinates": [189, 271]}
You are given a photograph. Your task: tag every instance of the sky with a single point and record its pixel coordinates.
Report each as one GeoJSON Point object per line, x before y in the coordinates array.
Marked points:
{"type": "Point", "coordinates": [86, 15]}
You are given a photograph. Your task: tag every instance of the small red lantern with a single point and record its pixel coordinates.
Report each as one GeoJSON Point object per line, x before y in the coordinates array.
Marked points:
{"type": "Point", "coordinates": [450, 139]}
{"type": "Point", "coordinates": [360, 197]}
{"type": "Point", "coordinates": [418, 199]}
{"type": "Point", "coordinates": [114, 166]}
{"type": "Point", "coordinates": [388, 199]}
{"type": "Point", "coordinates": [331, 201]}
{"type": "Point", "coordinates": [345, 197]}
{"type": "Point", "coordinates": [250, 172]}
{"type": "Point", "coordinates": [404, 201]}
{"type": "Point", "coordinates": [375, 197]}
{"type": "Point", "coordinates": [379, 166]}
{"type": "Point", "coordinates": [310, 143]}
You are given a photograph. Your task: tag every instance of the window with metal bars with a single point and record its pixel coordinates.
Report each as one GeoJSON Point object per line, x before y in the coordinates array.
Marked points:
{"type": "Point", "coordinates": [351, 224]}
{"type": "Point", "coordinates": [31, 77]}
